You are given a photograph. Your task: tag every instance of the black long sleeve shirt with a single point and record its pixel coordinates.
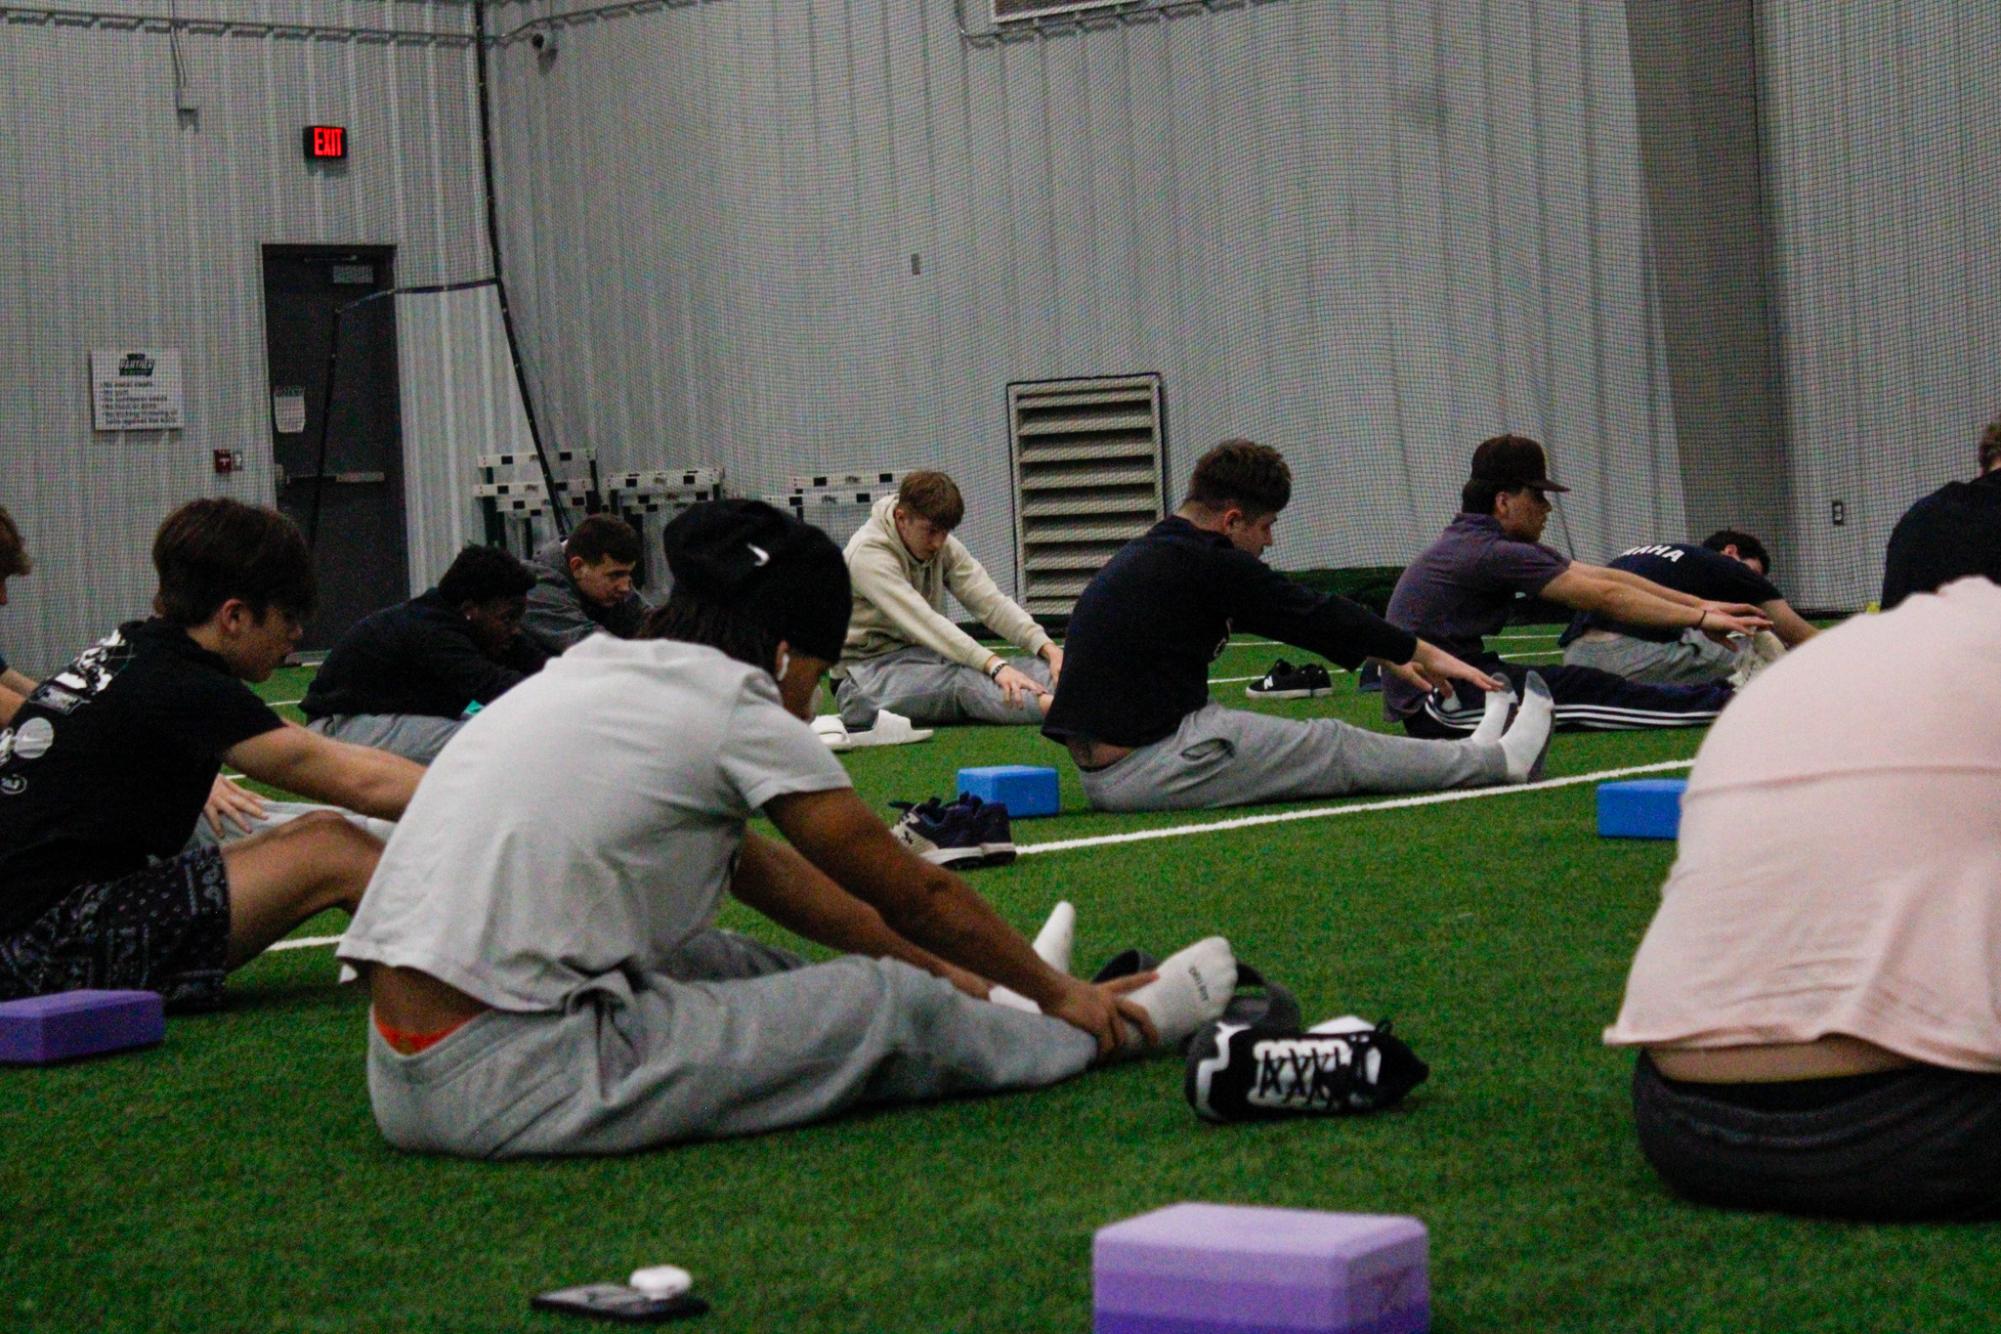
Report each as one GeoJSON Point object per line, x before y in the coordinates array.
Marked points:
{"type": "Point", "coordinates": [416, 657]}
{"type": "Point", "coordinates": [1136, 659]}
{"type": "Point", "coordinates": [1953, 532]}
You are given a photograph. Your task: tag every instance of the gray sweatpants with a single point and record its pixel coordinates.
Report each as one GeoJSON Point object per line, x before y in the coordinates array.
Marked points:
{"type": "Point", "coordinates": [929, 690]}
{"type": "Point", "coordinates": [1231, 757]}
{"type": "Point", "coordinates": [735, 1038]}
{"type": "Point", "coordinates": [1693, 659]}
{"type": "Point", "coordinates": [414, 736]}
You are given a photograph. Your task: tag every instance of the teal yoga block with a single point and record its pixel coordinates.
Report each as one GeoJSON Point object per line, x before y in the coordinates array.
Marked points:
{"type": "Point", "coordinates": [1641, 808]}
{"type": "Point", "coordinates": [1025, 789]}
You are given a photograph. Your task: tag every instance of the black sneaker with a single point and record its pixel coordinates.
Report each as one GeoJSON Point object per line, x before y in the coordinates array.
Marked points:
{"type": "Point", "coordinates": [964, 834]}
{"type": "Point", "coordinates": [1241, 1073]}
{"type": "Point", "coordinates": [1285, 681]}
{"type": "Point", "coordinates": [989, 823]}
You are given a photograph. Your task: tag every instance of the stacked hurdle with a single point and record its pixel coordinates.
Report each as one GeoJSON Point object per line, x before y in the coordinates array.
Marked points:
{"type": "Point", "coordinates": [637, 497]}
{"type": "Point", "coordinates": [838, 500]}
{"type": "Point", "coordinates": [513, 496]}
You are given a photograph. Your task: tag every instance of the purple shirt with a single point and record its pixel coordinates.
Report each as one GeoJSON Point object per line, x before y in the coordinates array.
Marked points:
{"type": "Point", "coordinates": [1460, 589]}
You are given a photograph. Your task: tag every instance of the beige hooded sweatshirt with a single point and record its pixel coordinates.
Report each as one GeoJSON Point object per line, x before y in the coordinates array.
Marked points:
{"type": "Point", "coordinates": [900, 601]}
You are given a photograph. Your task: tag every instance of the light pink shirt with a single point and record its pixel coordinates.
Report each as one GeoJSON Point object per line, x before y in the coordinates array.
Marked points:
{"type": "Point", "coordinates": [1840, 859]}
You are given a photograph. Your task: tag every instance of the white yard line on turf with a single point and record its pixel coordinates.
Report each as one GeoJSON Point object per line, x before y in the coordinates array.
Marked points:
{"type": "Point", "coordinates": [1252, 821]}
{"type": "Point", "coordinates": [1326, 812]}
{"type": "Point", "coordinates": [304, 943]}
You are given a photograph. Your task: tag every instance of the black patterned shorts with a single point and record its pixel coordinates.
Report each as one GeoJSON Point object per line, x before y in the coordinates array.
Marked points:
{"type": "Point", "coordinates": [163, 929]}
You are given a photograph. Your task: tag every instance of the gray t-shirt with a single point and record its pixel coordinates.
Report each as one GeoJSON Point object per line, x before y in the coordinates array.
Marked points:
{"type": "Point", "coordinates": [586, 822]}
{"type": "Point", "coordinates": [1460, 589]}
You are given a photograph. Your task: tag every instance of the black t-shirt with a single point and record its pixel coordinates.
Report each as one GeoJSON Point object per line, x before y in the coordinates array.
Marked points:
{"type": "Point", "coordinates": [110, 760]}
{"type": "Point", "coordinates": [1686, 568]}
{"type": "Point", "coordinates": [1953, 532]}
{"type": "Point", "coordinates": [416, 657]}
{"type": "Point", "coordinates": [1136, 656]}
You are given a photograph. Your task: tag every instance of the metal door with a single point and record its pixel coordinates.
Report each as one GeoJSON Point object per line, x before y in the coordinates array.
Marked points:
{"type": "Point", "coordinates": [349, 501]}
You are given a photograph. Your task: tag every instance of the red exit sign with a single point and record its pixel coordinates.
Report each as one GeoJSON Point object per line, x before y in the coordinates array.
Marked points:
{"type": "Point", "coordinates": [326, 143]}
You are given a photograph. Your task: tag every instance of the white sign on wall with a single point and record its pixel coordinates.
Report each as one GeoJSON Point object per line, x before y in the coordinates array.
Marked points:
{"type": "Point", "coordinates": [136, 391]}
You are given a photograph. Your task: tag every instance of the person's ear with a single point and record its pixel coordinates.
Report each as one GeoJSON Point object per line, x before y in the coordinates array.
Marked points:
{"type": "Point", "coordinates": [1730, 550]}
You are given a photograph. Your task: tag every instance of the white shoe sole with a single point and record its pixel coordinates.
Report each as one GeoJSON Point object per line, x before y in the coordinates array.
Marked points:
{"type": "Point", "coordinates": [1316, 693]}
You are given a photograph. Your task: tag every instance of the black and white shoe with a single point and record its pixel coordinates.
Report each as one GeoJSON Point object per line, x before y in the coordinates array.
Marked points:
{"type": "Point", "coordinates": [1285, 681]}
{"type": "Point", "coordinates": [1240, 1072]}
{"type": "Point", "coordinates": [964, 834]}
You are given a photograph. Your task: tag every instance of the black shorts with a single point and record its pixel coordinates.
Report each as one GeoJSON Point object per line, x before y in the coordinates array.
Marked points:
{"type": "Point", "coordinates": [1917, 1143]}
{"type": "Point", "coordinates": [163, 929]}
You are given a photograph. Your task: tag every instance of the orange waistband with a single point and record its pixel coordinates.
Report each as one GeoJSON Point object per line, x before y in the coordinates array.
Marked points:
{"type": "Point", "coordinates": [410, 1044]}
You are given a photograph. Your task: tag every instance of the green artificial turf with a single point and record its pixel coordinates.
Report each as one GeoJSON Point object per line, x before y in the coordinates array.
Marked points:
{"type": "Point", "coordinates": [231, 1179]}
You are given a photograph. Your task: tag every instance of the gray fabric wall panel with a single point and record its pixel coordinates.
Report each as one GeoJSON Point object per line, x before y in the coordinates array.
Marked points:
{"type": "Point", "coordinates": [1369, 233]}
{"type": "Point", "coordinates": [1881, 125]}
{"type": "Point", "coordinates": [130, 226]}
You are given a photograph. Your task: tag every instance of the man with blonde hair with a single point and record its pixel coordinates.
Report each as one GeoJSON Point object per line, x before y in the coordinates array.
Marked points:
{"type": "Point", "coordinates": [903, 654]}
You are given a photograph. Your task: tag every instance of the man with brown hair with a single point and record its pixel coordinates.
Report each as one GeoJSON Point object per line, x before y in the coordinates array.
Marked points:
{"type": "Point", "coordinates": [903, 654]}
{"type": "Point", "coordinates": [583, 584]}
{"type": "Point", "coordinates": [1953, 532]}
{"type": "Point", "coordinates": [1134, 707]}
{"type": "Point", "coordinates": [108, 763]}
{"type": "Point", "coordinates": [1464, 586]}
{"type": "Point", "coordinates": [14, 562]}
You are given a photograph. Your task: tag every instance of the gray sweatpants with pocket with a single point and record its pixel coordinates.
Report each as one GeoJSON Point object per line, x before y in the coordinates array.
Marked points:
{"type": "Point", "coordinates": [414, 736]}
{"type": "Point", "coordinates": [1692, 659]}
{"type": "Point", "coordinates": [929, 690]}
{"type": "Point", "coordinates": [736, 1037]}
{"type": "Point", "coordinates": [1232, 757]}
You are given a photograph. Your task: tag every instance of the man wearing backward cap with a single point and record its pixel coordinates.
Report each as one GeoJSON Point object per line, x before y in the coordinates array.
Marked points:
{"type": "Point", "coordinates": [545, 974]}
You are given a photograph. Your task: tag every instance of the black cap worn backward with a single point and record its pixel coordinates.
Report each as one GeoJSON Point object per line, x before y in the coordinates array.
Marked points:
{"type": "Point", "coordinates": [1514, 461]}
{"type": "Point", "coordinates": [787, 575]}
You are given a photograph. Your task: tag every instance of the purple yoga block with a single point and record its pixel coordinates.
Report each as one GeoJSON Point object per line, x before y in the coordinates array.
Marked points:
{"type": "Point", "coordinates": [69, 1024]}
{"type": "Point", "coordinates": [1235, 1269]}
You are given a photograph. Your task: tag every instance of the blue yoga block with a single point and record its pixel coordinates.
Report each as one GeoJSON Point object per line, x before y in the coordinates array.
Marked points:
{"type": "Point", "coordinates": [70, 1024]}
{"type": "Point", "coordinates": [1024, 789]}
{"type": "Point", "coordinates": [1642, 808]}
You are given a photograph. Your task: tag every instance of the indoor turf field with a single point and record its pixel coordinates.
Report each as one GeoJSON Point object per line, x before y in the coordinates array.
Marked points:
{"type": "Point", "coordinates": [232, 1179]}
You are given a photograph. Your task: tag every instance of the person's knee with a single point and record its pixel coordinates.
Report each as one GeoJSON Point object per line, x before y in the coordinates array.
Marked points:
{"type": "Point", "coordinates": [341, 854]}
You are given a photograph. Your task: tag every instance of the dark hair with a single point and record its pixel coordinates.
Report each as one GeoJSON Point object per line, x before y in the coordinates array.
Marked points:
{"type": "Point", "coordinates": [1477, 496]}
{"type": "Point", "coordinates": [1747, 546]}
{"type": "Point", "coordinates": [1252, 477]}
{"type": "Point", "coordinates": [1990, 445]}
{"type": "Point", "coordinates": [209, 551]}
{"type": "Point", "coordinates": [479, 574]}
{"type": "Point", "coordinates": [603, 535]}
{"type": "Point", "coordinates": [730, 628]}
{"type": "Point", "coordinates": [933, 496]}
{"type": "Point", "coordinates": [13, 552]}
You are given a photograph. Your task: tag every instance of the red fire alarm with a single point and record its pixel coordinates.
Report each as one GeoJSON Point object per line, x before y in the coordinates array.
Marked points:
{"type": "Point", "coordinates": [325, 143]}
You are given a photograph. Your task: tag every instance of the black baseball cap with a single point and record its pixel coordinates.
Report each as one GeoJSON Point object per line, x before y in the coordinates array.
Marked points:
{"type": "Point", "coordinates": [786, 574]}
{"type": "Point", "coordinates": [1512, 462]}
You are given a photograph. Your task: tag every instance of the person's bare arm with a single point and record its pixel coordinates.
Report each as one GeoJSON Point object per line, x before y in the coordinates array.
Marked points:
{"type": "Point", "coordinates": [360, 778]}
{"type": "Point", "coordinates": [1791, 628]}
{"type": "Point", "coordinates": [1625, 597]}
{"type": "Point", "coordinates": [11, 701]}
{"type": "Point", "coordinates": [935, 910]}
{"type": "Point", "coordinates": [19, 683]}
{"type": "Point", "coordinates": [791, 891]}
{"type": "Point", "coordinates": [1432, 668]}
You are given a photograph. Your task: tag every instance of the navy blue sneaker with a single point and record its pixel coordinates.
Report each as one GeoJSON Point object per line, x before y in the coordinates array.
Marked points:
{"type": "Point", "coordinates": [963, 834]}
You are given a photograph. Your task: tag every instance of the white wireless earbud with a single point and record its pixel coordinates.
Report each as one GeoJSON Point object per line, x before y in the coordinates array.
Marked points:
{"type": "Point", "coordinates": [784, 662]}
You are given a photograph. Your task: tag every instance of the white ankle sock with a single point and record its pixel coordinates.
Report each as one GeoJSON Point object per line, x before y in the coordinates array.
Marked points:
{"type": "Point", "coordinates": [1193, 987]}
{"type": "Point", "coordinates": [1052, 942]}
{"type": "Point", "coordinates": [1525, 742]}
{"type": "Point", "coordinates": [1495, 721]}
